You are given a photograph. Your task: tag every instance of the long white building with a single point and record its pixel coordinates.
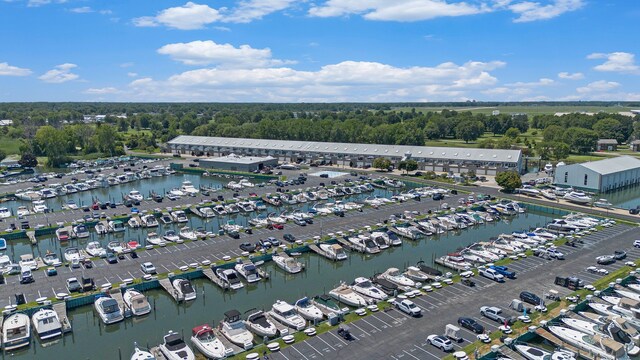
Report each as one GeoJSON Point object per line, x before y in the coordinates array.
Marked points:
{"type": "Point", "coordinates": [600, 176]}
{"type": "Point", "coordinates": [483, 161]}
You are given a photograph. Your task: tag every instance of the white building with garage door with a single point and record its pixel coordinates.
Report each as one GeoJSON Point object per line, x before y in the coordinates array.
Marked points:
{"type": "Point", "coordinates": [600, 176]}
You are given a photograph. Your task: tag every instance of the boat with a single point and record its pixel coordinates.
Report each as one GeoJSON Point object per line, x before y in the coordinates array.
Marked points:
{"type": "Point", "coordinates": [234, 329]}
{"type": "Point", "coordinates": [4, 213]}
{"type": "Point", "coordinates": [63, 234]}
{"type": "Point", "coordinates": [166, 218]}
{"type": "Point", "coordinates": [344, 294]}
{"type": "Point", "coordinates": [415, 274]}
{"type": "Point", "coordinates": [94, 249]}
{"type": "Point", "coordinates": [577, 197]}
{"type": "Point", "coordinates": [308, 310]}
{"type": "Point", "coordinates": [535, 353]}
{"type": "Point", "coordinates": [51, 259]}
{"type": "Point", "coordinates": [80, 231]}
{"type": "Point", "coordinates": [548, 194]}
{"type": "Point", "coordinates": [46, 324]}
{"type": "Point", "coordinates": [133, 245]}
{"type": "Point", "coordinates": [139, 354]}
{"type": "Point", "coordinates": [188, 234]}
{"type": "Point", "coordinates": [363, 286]}
{"type": "Point", "coordinates": [455, 261]}
{"type": "Point", "coordinates": [529, 190]}
{"type": "Point", "coordinates": [334, 251]}
{"type": "Point", "coordinates": [133, 223]}
{"type": "Point", "coordinates": [603, 203]}
{"type": "Point", "coordinates": [115, 247]}
{"type": "Point", "coordinates": [179, 216]}
{"type": "Point", "coordinates": [184, 288]}
{"type": "Point", "coordinates": [154, 239]}
{"type": "Point", "coordinates": [116, 226]}
{"type": "Point", "coordinates": [71, 205]}
{"type": "Point", "coordinates": [560, 225]}
{"type": "Point", "coordinates": [203, 338]}
{"type": "Point", "coordinates": [285, 314]}
{"type": "Point", "coordinates": [28, 261]}
{"type": "Point", "coordinates": [149, 220]}
{"type": "Point", "coordinates": [230, 278]}
{"type": "Point", "coordinates": [260, 324]}
{"type": "Point", "coordinates": [603, 347]}
{"type": "Point", "coordinates": [16, 331]}
{"type": "Point", "coordinates": [173, 347]}
{"type": "Point", "coordinates": [326, 303]}
{"type": "Point", "coordinates": [287, 263]}
{"type": "Point", "coordinates": [135, 195]}
{"type": "Point", "coordinates": [39, 207]}
{"type": "Point", "coordinates": [28, 195]}
{"type": "Point", "coordinates": [22, 211]}
{"type": "Point", "coordinates": [220, 209]}
{"type": "Point", "coordinates": [136, 302]}
{"type": "Point", "coordinates": [171, 236]}
{"type": "Point", "coordinates": [207, 212]}
{"type": "Point", "coordinates": [108, 310]}
{"type": "Point", "coordinates": [248, 271]}
{"type": "Point", "coordinates": [101, 229]}
{"type": "Point", "coordinates": [395, 276]}
{"type": "Point", "coordinates": [548, 168]}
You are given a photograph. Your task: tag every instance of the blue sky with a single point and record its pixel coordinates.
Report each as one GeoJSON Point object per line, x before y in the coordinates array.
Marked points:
{"type": "Point", "coordinates": [319, 51]}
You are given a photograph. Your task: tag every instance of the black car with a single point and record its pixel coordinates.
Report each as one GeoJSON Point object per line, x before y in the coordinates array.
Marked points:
{"type": "Point", "coordinates": [247, 246]}
{"type": "Point", "coordinates": [112, 258]}
{"type": "Point", "coordinates": [289, 238]}
{"type": "Point", "coordinates": [438, 196]}
{"type": "Point", "coordinates": [471, 324]}
{"type": "Point", "coordinates": [530, 298]}
{"type": "Point", "coordinates": [338, 212]}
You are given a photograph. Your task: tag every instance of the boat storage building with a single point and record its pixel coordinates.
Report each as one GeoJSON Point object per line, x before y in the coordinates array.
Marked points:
{"type": "Point", "coordinates": [600, 176]}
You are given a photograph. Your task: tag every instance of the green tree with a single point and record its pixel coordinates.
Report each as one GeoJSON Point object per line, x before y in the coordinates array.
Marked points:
{"type": "Point", "coordinates": [508, 180]}
{"type": "Point", "coordinates": [408, 166]}
{"type": "Point", "coordinates": [580, 140]}
{"type": "Point", "coordinates": [28, 160]}
{"type": "Point", "coordinates": [609, 129]}
{"type": "Point", "coordinates": [105, 139]}
{"type": "Point", "coordinates": [469, 130]}
{"type": "Point", "coordinates": [512, 133]}
{"type": "Point", "coordinates": [3, 155]}
{"type": "Point", "coordinates": [381, 163]}
{"type": "Point", "coordinates": [553, 133]}
{"type": "Point", "coordinates": [560, 151]}
{"type": "Point", "coordinates": [53, 144]}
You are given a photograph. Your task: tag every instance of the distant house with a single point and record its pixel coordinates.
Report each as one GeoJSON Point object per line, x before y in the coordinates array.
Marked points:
{"type": "Point", "coordinates": [635, 145]}
{"type": "Point", "coordinates": [6, 122]}
{"type": "Point", "coordinates": [607, 145]}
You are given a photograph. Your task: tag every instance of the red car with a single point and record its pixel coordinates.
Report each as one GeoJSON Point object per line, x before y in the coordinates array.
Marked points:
{"type": "Point", "coordinates": [275, 226]}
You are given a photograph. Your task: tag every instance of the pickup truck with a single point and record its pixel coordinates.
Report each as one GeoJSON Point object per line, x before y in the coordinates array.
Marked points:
{"type": "Point", "coordinates": [504, 271]}
{"type": "Point", "coordinates": [492, 274]}
{"type": "Point", "coordinates": [408, 307]}
{"type": "Point", "coordinates": [495, 314]}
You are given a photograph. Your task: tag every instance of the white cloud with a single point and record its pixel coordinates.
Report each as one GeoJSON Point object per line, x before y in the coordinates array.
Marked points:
{"type": "Point", "coordinates": [622, 62]}
{"type": "Point", "coordinates": [102, 91]}
{"type": "Point", "coordinates": [132, 74]}
{"type": "Point", "coordinates": [9, 70]}
{"type": "Point", "coordinates": [36, 3]}
{"type": "Point", "coordinates": [250, 10]}
{"type": "Point", "coordinates": [541, 82]}
{"type": "Point", "coordinates": [59, 74]}
{"type": "Point", "coordinates": [225, 55]}
{"type": "Point", "coordinates": [598, 86]}
{"type": "Point", "coordinates": [534, 11]}
{"type": "Point", "coordinates": [82, 10]}
{"type": "Point", "coordinates": [190, 16]}
{"type": "Point", "coordinates": [568, 76]}
{"type": "Point", "coordinates": [127, 64]}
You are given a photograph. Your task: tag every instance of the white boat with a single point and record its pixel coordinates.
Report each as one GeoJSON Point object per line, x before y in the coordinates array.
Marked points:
{"type": "Point", "coordinates": [95, 249]}
{"type": "Point", "coordinates": [22, 211]}
{"type": "Point", "coordinates": [71, 255]}
{"type": "Point", "coordinates": [248, 271]}
{"type": "Point", "coordinates": [115, 247]}
{"type": "Point", "coordinates": [171, 236]}
{"type": "Point", "coordinates": [545, 234]}
{"type": "Point", "coordinates": [203, 338]}
{"type": "Point", "coordinates": [184, 289]}
{"type": "Point", "coordinates": [80, 231]}
{"type": "Point", "coordinates": [4, 213]}
{"type": "Point", "coordinates": [308, 310]}
{"type": "Point", "coordinates": [47, 193]}
{"type": "Point", "coordinates": [529, 191]}
{"type": "Point", "coordinates": [177, 192]}
{"type": "Point", "coordinates": [188, 234]}
{"type": "Point", "coordinates": [63, 234]}
{"type": "Point", "coordinates": [133, 223]}
{"type": "Point", "coordinates": [46, 324]}
{"type": "Point", "coordinates": [333, 251]}
{"type": "Point", "coordinates": [207, 212]}
{"type": "Point", "coordinates": [548, 168]}
{"type": "Point", "coordinates": [455, 261]}
{"type": "Point", "coordinates": [363, 286]}
{"type": "Point", "coordinates": [39, 207]}
{"type": "Point", "coordinates": [28, 195]}
{"type": "Point", "coordinates": [139, 354]}
{"type": "Point", "coordinates": [136, 302]}
{"type": "Point", "coordinates": [395, 276]}
{"type": "Point", "coordinates": [583, 326]}
{"type": "Point", "coordinates": [548, 194]}
{"type": "Point", "coordinates": [173, 347]}
{"type": "Point", "coordinates": [628, 294]}
{"type": "Point", "coordinates": [108, 310]}
{"type": "Point", "coordinates": [135, 195]}
{"type": "Point", "coordinates": [166, 218]}
{"type": "Point", "coordinates": [603, 347]}
{"type": "Point", "coordinates": [220, 209]}
{"type": "Point", "coordinates": [51, 259]}
{"type": "Point", "coordinates": [230, 278]}
{"type": "Point", "coordinates": [535, 353]}
{"type": "Point", "coordinates": [603, 203]}
{"type": "Point", "coordinates": [578, 197]}
{"type": "Point", "coordinates": [149, 220]}
{"type": "Point", "coordinates": [71, 205]}
{"type": "Point", "coordinates": [285, 314]}
{"type": "Point", "coordinates": [344, 294]}
{"type": "Point", "coordinates": [28, 261]}
{"type": "Point", "coordinates": [287, 263]}
{"type": "Point", "coordinates": [154, 239]}
{"type": "Point", "coordinates": [101, 229]}
{"type": "Point", "coordinates": [116, 226]}
{"type": "Point", "coordinates": [188, 188]}
{"type": "Point", "coordinates": [260, 324]}
{"type": "Point", "coordinates": [16, 331]}
{"type": "Point", "coordinates": [233, 328]}
{"type": "Point", "coordinates": [179, 216]}
{"type": "Point", "coordinates": [415, 274]}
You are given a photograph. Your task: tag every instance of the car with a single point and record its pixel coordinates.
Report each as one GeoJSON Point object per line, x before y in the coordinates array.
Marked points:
{"type": "Point", "coordinates": [273, 241]}
{"type": "Point", "coordinates": [289, 238]}
{"type": "Point", "coordinates": [263, 243]}
{"type": "Point", "coordinates": [555, 253]}
{"type": "Point", "coordinates": [440, 342]}
{"type": "Point", "coordinates": [471, 324]}
{"type": "Point", "coordinates": [605, 259]}
{"type": "Point", "coordinates": [530, 298]}
{"type": "Point", "coordinates": [338, 212]}
{"type": "Point", "coordinates": [619, 254]}
{"type": "Point", "coordinates": [111, 258]}
{"type": "Point", "coordinates": [437, 196]}
{"type": "Point", "coordinates": [247, 246]}
{"type": "Point", "coordinates": [300, 222]}
{"type": "Point", "coordinates": [636, 243]}
{"type": "Point", "coordinates": [275, 226]}
{"type": "Point", "coordinates": [148, 268]}
{"type": "Point", "coordinates": [408, 307]}
{"type": "Point", "coordinates": [73, 285]}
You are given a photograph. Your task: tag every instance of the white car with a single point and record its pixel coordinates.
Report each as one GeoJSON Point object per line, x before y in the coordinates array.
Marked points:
{"type": "Point", "coordinates": [636, 243]}
{"type": "Point", "coordinates": [440, 342]}
{"type": "Point", "coordinates": [555, 253]}
{"type": "Point", "coordinates": [484, 338]}
{"type": "Point", "coordinates": [148, 268]}
{"type": "Point", "coordinates": [408, 307]}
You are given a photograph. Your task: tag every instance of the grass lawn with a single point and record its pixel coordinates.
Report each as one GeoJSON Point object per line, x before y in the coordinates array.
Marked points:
{"type": "Point", "coordinates": [529, 110]}
{"type": "Point", "coordinates": [9, 145]}
{"type": "Point", "coordinates": [474, 144]}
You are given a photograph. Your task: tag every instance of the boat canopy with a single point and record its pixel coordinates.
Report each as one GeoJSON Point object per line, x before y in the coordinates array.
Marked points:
{"type": "Point", "coordinates": [232, 315]}
{"type": "Point", "coordinates": [202, 329]}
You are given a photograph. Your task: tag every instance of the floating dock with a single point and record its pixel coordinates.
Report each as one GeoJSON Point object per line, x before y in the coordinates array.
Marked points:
{"type": "Point", "coordinates": [208, 272]}
{"type": "Point", "coordinates": [348, 245]}
{"type": "Point", "coordinates": [116, 295]}
{"type": "Point", "coordinates": [61, 310]}
{"type": "Point", "coordinates": [166, 284]}
{"type": "Point", "coordinates": [227, 344]}
{"type": "Point", "coordinates": [282, 329]}
{"type": "Point", "coordinates": [32, 237]}
{"type": "Point", "coordinates": [511, 354]}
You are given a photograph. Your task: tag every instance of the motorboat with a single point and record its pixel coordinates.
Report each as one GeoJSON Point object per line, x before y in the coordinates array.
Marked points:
{"type": "Point", "coordinates": [529, 191]}
{"type": "Point", "coordinates": [201, 233]}
{"type": "Point", "coordinates": [603, 347]}
{"type": "Point", "coordinates": [415, 274]}
{"type": "Point", "coordinates": [207, 212]}
{"type": "Point", "coordinates": [395, 276]}
{"type": "Point", "coordinates": [63, 234]}
{"type": "Point", "coordinates": [116, 226]}
{"type": "Point", "coordinates": [628, 294]}
{"type": "Point", "coordinates": [345, 294]}
{"type": "Point", "coordinates": [184, 289]}
{"type": "Point", "coordinates": [220, 209]}
{"type": "Point", "coordinates": [71, 205]}
{"type": "Point", "coordinates": [603, 203]}
{"type": "Point", "coordinates": [260, 324]}
{"type": "Point", "coordinates": [28, 261]}
{"type": "Point", "coordinates": [94, 249]}
{"type": "Point", "coordinates": [203, 338]}
{"type": "Point", "coordinates": [188, 234]}
{"type": "Point", "coordinates": [149, 220]}
{"type": "Point", "coordinates": [234, 329]}
{"type": "Point", "coordinates": [135, 195]}
{"type": "Point", "coordinates": [545, 234]}
{"type": "Point", "coordinates": [584, 326]}
{"type": "Point", "coordinates": [188, 188]}
{"type": "Point", "coordinates": [136, 302]}
{"type": "Point", "coordinates": [166, 218]}
{"type": "Point", "coordinates": [39, 207]}
{"type": "Point", "coordinates": [333, 251]}
{"type": "Point", "coordinates": [171, 236]}
{"type": "Point", "coordinates": [16, 331]}
{"type": "Point", "coordinates": [535, 353]}
{"type": "Point", "coordinates": [133, 245]}
{"type": "Point", "coordinates": [154, 239]}
{"type": "Point", "coordinates": [455, 261]}
{"type": "Point", "coordinates": [179, 216]}
{"type": "Point", "coordinates": [285, 314]}
{"type": "Point", "coordinates": [46, 324]}
{"type": "Point", "coordinates": [139, 354]}
{"type": "Point", "coordinates": [80, 231]}
{"type": "Point", "coordinates": [51, 259]}
{"type": "Point", "coordinates": [176, 192]}
{"type": "Point", "coordinates": [326, 303]}
{"type": "Point", "coordinates": [363, 286]}
{"type": "Point", "coordinates": [548, 168]}
{"type": "Point", "coordinates": [308, 310]}
{"type": "Point", "coordinates": [394, 239]}
{"type": "Point", "coordinates": [28, 195]}
{"type": "Point", "coordinates": [5, 213]}
{"type": "Point", "coordinates": [47, 193]}
{"type": "Point", "coordinates": [100, 228]}
{"type": "Point", "coordinates": [230, 278]}
{"type": "Point", "coordinates": [22, 211]}
{"type": "Point", "coordinates": [133, 223]}
{"type": "Point", "coordinates": [381, 239]}
{"type": "Point", "coordinates": [108, 309]}
{"type": "Point", "coordinates": [173, 347]}
{"type": "Point", "coordinates": [577, 197]}
{"type": "Point", "coordinates": [287, 263]}
{"type": "Point", "coordinates": [562, 225]}
{"type": "Point", "coordinates": [548, 194]}
{"type": "Point", "coordinates": [249, 271]}
{"type": "Point", "coordinates": [115, 247]}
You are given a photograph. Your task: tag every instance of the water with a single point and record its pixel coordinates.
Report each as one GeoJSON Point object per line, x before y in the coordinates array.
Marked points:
{"type": "Point", "coordinates": [93, 340]}
{"type": "Point", "coordinates": [626, 198]}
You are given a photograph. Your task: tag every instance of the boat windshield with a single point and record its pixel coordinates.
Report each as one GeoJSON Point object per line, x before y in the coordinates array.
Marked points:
{"type": "Point", "coordinates": [110, 306]}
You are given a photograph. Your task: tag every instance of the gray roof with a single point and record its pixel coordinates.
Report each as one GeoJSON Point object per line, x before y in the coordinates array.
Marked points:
{"type": "Point", "coordinates": [635, 142]}
{"type": "Point", "coordinates": [608, 141]}
{"type": "Point", "coordinates": [426, 152]}
{"type": "Point", "coordinates": [613, 165]}
{"type": "Point", "coordinates": [236, 159]}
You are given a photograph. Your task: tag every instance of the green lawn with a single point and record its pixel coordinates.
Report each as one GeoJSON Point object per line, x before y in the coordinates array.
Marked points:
{"type": "Point", "coordinates": [529, 110]}
{"type": "Point", "coordinates": [9, 145]}
{"type": "Point", "coordinates": [487, 135]}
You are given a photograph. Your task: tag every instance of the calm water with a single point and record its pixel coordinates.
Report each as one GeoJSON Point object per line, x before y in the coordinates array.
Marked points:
{"type": "Point", "coordinates": [93, 340]}
{"type": "Point", "coordinates": [625, 198]}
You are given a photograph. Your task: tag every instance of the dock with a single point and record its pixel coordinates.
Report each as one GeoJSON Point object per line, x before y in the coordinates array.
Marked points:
{"type": "Point", "coordinates": [556, 341]}
{"type": "Point", "coordinates": [166, 284]}
{"type": "Point", "coordinates": [227, 344]}
{"type": "Point", "coordinates": [61, 310]}
{"type": "Point", "coordinates": [282, 329]}
{"type": "Point", "coordinates": [348, 245]}
{"type": "Point", "coordinates": [208, 272]}
{"type": "Point", "coordinates": [136, 217]}
{"type": "Point", "coordinates": [511, 353]}
{"type": "Point", "coordinates": [263, 274]}
{"type": "Point", "coordinates": [116, 295]}
{"type": "Point", "coordinates": [316, 249]}
{"type": "Point", "coordinates": [157, 354]}
{"type": "Point", "coordinates": [32, 237]}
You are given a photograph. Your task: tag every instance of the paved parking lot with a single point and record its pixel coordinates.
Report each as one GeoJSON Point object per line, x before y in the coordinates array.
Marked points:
{"type": "Point", "coordinates": [393, 335]}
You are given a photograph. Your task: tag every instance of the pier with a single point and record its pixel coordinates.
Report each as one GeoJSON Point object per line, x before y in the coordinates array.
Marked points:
{"type": "Point", "coordinates": [116, 295]}
{"type": "Point", "coordinates": [227, 344]}
{"type": "Point", "coordinates": [32, 237]}
{"type": "Point", "coordinates": [316, 249]}
{"type": "Point", "coordinates": [348, 245]}
{"type": "Point", "coordinates": [61, 310]}
{"type": "Point", "coordinates": [209, 274]}
{"type": "Point", "coordinates": [282, 329]}
{"type": "Point", "coordinates": [166, 284]}
{"type": "Point", "coordinates": [512, 354]}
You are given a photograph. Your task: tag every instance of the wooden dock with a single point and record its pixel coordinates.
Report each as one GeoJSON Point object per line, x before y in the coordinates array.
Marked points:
{"type": "Point", "coordinates": [557, 341]}
{"type": "Point", "coordinates": [282, 329]}
{"type": "Point", "coordinates": [157, 354]}
{"type": "Point", "coordinates": [227, 344]}
{"type": "Point", "coordinates": [32, 237]}
{"type": "Point", "coordinates": [512, 354]}
{"type": "Point", "coordinates": [316, 249]}
{"type": "Point", "coordinates": [208, 272]}
{"type": "Point", "coordinates": [166, 284]}
{"type": "Point", "coordinates": [61, 310]}
{"type": "Point", "coordinates": [348, 245]}
{"type": "Point", "coordinates": [116, 295]}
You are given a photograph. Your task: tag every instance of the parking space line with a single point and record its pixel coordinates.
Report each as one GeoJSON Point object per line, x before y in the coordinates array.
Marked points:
{"type": "Point", "coordinates": [406, 352]}
{"type": "Point", "coordinates": [329, 345]}
{"type": "Point", "coordinates": [294, 348]}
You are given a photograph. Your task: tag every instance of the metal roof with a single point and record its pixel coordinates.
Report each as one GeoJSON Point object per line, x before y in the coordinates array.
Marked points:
{"type": "Point", "coordinates": [608, 141]}
{"type": "Point", "coordinates": [236, 159]}
{"type": "Point", "coordinates": [613, 165]}
{"type": "Point", "coordinates": [426, 152]}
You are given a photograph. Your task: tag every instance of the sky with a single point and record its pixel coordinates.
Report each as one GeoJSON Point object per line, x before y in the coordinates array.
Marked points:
{"type": "Point", "coordinates": [319, 50]}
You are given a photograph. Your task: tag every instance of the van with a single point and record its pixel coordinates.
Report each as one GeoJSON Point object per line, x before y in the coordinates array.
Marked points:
{"type": "Point", "coordinates": [25, 275]}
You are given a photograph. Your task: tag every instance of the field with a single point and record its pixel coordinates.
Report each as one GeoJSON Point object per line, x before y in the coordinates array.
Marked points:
{"type": "Point", "coordinates": [9, 146]}
{"type": "Point", "coordinates": [529, 110]}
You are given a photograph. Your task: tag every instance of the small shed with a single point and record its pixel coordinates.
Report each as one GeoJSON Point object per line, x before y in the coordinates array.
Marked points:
{"type": "Point", "coordinates": [635, 145]}
{"type": "Point", "coordinates": [607, 145]}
